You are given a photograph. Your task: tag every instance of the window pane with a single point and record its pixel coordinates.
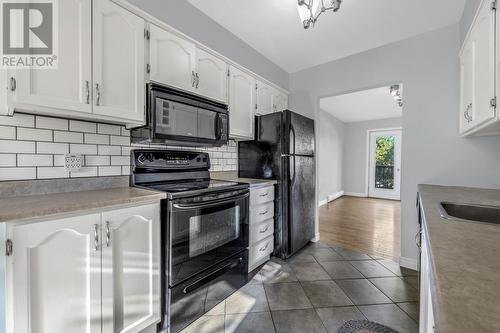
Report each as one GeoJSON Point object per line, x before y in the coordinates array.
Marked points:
{"type": "Point", "coordinates": [384, 162]}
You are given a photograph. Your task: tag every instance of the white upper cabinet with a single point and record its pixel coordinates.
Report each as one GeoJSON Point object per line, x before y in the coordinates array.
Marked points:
{"type": "Point", "coordinates": [131, 272]}
{"type": "Point", "coordinates": [241, 104]}
{"type": "Point", "coordinates": [264, 99]}
{"type": "Point", "coordinates": [172, 59]}
{"type": "Point", "coordinates": [211, 76]}
{"type": "Point", "coordinates": [119, 66]}
{"type": "Point", "coordinates": [68, 87]}
{"type": "Point", "coordinates": [280, 101]}
{"type": "Point", "coordinates": [478, 75]}
{"type": "Point", "coordinates": [54, 276]}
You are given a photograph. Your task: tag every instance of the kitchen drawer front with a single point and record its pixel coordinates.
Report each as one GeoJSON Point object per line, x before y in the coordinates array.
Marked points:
{"type": "Point", "coordinates": [260, 250]}
{"type": "Point", "coordinates": [259, 231]}
{"type": "Point", "coordinates": [262, 195]}
{"type": "Point", "coordinates": [261, 213]}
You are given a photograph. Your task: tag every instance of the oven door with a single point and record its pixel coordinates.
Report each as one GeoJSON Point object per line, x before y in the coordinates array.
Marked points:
{"type": "Point", "coordinates": [206, 230]}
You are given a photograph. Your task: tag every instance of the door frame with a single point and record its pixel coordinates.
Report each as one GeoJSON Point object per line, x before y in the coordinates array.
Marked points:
{"type": "Point", "coordinates": [367, 164]}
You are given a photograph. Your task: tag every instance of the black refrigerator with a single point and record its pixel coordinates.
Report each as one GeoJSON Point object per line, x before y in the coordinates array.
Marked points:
{"type": "Point", "coordinates": [283, 150]}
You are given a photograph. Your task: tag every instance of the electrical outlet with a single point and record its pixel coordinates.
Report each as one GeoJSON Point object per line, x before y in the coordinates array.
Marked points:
{"type": "Point", "coordinates": [72, 162]}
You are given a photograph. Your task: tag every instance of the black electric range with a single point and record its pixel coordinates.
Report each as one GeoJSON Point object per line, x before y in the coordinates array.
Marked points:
{"type": "Point", "coordinates": [204, 232]}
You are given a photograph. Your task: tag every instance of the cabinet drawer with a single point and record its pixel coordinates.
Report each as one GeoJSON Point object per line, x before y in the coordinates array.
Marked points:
{"type": "Point", "coordinates": [260, 250]}
{"type": "Point", "coordinates": [261, 213]}
{"type": "Point", "coordinates": [259, 231]}
{"type": "Point", "coordinates": [261, 195]}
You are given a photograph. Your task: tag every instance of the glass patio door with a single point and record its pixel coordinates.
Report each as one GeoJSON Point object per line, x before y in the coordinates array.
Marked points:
{"type": "Point", "coordinates": [385, 165]}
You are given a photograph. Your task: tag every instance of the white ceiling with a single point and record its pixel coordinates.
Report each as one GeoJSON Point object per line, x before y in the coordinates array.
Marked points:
{"type": "Point", "coordinates": [273, 28]}
{"type": "Point", "coordinates": [362, 105]}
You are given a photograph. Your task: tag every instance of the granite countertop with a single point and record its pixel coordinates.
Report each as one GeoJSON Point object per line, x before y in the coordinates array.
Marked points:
{"type": "Point", "coordinates": [465, 262]}
{"type": "Point", "coordinates": [232, 176]}
{"type": "Point", "coordinates": [38, 206]}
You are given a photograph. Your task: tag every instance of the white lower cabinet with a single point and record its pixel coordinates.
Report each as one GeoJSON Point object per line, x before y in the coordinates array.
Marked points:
{"type": "Point", "coordinates": [426, 322]}
{"type": "Point", "coordinates": [93, 273]}
{"type": "Point", "coordinates": [4, 87]}
{"type": "Point", "coordinates": [261, 225]}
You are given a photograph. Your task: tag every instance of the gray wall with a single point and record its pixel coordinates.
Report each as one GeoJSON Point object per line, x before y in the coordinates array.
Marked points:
{"type": "Point", "coordinates": [188, 19]}
{"type": "Point", "coordinates": [433, 151]}
{"type": "Point", "coordinates": [471, 7]}
{"type": "Point", "coordinates": [330, 140]}
{"type": "Point", "coordinates": [355, 152]}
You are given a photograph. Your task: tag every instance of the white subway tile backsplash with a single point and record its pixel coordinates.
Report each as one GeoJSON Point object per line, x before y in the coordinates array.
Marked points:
{"type": "Point", "coordinates": [69, 137]}
{"type": "Point", "coordinates": [52, 172]}
{"type": "Point", "coordinates": [52, 123]}
{"type": "Point", "coordinates": [83, 149]}
{"type": "Point", "coordinates": [97, 160]}
{"type": "Point", "coordinates": [27, 152]}
{"type": "Point", "coordinates": [52, 148]}
{"type": "Point", "coordinates": [110, 171]}
{"type": "Point", "coordinates": [97, 139]}
{"type": "Point", "coordinates": [110, 150]}
{"type": "Point", "coordinates": [33, 134]}
{"type": "Point", "coordinates": [10, 146]}
{"type": "Point", "coordinates": [34, 160]}
{"type": "Point", "coordinates": [82, 126]}
{"type": "Point", "coordinates": [18, 119]}
{"type": "Point", "coordinates": [7, 132]}
{"type": "Point", "coordinates": [8, 160]}
{"type": "Point", "coordinates": [120, 140]}
{"type": "Point", "coordinates": [17, 173]}
{"type": "Point", "coordinates": [108, 129]}
{"type": "Point", "coordinates": [85, 172]}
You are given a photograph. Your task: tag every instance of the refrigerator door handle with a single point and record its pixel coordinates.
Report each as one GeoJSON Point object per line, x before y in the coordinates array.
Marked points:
{"type": "Point", "coordinates": [292, 178]}
{"type": "Point", "coordinates": [292, 141]}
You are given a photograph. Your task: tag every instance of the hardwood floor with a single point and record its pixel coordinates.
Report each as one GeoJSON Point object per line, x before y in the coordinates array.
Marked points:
{"type": "Point", "coordinates": [363, 224]}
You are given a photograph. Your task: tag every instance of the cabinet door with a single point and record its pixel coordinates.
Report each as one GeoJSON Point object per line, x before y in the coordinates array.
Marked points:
{"type": "Point", "coordinates": [466, 86]}
{"type": "Point", "coordinates": [68, 87]}
{"type": "Point", "coordinates": [131, 268]}
{"type": "Point", "coordinates": [172, 59]}
{"type": "Point", "coordinates": [280, 101]}
{"type": "Point", "coordinates": [483, 39]}
{"type": "Point", "coordinates": [54, 276]}
{"type": "Point", "coordinates": [212, 76]}
{"type": "Point", "coordinates": [241, 104]}
{"type": "Point", "coordinates": [4, 88]}
{"type": "Point", "coordinates": [119, 67]}
{"type": "Point", "coordinates": [264, 99]}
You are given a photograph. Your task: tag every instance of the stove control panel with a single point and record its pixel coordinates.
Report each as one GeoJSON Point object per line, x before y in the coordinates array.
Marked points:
{"type": "Point", "coordinates": [169, 159]}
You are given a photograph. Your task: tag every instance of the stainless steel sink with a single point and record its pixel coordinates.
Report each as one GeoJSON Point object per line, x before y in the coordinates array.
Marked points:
{"type": "Point", "coordinates": [467, 212]}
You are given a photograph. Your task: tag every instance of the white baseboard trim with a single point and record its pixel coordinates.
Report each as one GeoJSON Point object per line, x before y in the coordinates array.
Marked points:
{"type": "Point", "coordinates": [355, 194]}
{"type": "Point", "coordinates": [409, 263]}
{"type": "Point", "coordinates": [330, 198]}
{"type": "Point", "coordinates": [316, 238]}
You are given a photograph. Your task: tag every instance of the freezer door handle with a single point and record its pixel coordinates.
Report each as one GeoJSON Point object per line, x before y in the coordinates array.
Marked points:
{"type": "Point", "coordinates": [292, 140]}
{"type": "Point", "coordinates": [292, 169]}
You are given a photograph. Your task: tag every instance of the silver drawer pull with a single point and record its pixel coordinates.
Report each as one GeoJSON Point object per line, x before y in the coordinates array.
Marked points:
{"type": "Point", "coordinates": [262, 249]}
{"type": "Point", "coordinates": [266, 229]}
{"type": "Point", "coordinates": [96, 237]}
{"type": "Point", "coordinates": [264, 213]}
{"type": "Point", "coordinates": [108, 235]}
{"type": "Point", "coordinates": [418, 240]}
{"type": "Point", "coordinates": [264, 195]}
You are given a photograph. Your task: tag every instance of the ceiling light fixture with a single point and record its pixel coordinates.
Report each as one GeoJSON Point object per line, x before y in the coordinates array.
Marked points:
{"type": "Point", "coordinates": [310, 10]}
{"type": "Point", "coordinates": [396, 94]}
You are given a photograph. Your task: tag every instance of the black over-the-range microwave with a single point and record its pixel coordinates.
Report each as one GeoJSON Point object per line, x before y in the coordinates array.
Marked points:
{"type": "Point", "coordinates": [179, 118]}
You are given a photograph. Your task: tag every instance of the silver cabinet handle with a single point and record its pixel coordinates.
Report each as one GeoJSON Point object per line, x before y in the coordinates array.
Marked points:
{"type": "Point", "coordinates": [264, 213]}
{"type": "Point", "coordinates": [87, 92]}
{"type": "Point", "coordinates": [96, 237]}
{"type": "Point", "coordinates": [193, 79]}
{"type": "Point", "coordinates": [266, 229]}
{"type": "Point", "coordinates": [467, 113]}
{"type": "Point", "coordinates": [108, 235]}
{"type": "Point", "coordinates": [98, 94]}
{"type": "Point", "coordinates": [13, 84]}
{"type": "Point", "coordinates": [418, 240]}
{"type": "Point", "coordinates": [264, 195]}
{"type": "Point", "coordinates": [264, 248]}
{"type": "Point", "coordinates": [197, 80]}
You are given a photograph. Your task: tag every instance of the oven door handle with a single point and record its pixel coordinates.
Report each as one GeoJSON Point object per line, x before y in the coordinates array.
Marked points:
{"type": "Point", "coordinates": [209, 204]}
{"type": "Point", "coordinates": [204, 280]}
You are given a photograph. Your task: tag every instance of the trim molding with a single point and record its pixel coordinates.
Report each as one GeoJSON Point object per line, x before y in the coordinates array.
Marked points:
{"type": "Point", "coordinates": [330, 198]}
{"type": "Point", "coordinates": [356, 194]}
{"type": "Point", "coordinates": [316, 238]}
{"type": "Point", "coordinates": [409, 263]}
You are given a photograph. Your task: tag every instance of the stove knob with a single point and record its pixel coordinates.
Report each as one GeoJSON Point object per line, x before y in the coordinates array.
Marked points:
{"type": "Point", "coordinates": [141, 159]}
